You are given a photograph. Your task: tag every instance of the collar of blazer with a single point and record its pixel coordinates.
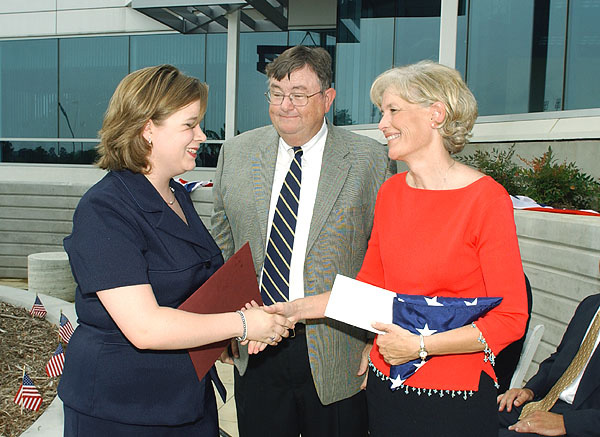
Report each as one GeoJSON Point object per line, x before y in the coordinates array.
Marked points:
{"type": "Point", "coordinates": [159, 215]}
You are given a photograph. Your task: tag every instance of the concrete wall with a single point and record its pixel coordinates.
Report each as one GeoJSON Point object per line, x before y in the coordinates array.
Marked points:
{"type": "Point", "coordinates": [45, 18]}
{"type": "Point", "coordinates": [560, 256]}
{"type": "Point", "coordinates": [37, 204]}
{"type": "Point", "coordinates": [33, 218]}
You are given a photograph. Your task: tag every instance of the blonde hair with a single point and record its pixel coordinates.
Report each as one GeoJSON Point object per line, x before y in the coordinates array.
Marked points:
{"type": "Point", "coordinates": [152, 93]}
{"type": "Point", "coordinates": [425, 83]}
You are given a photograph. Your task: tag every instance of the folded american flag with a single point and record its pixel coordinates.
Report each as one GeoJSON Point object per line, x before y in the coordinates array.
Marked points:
{"type": "Point", "coordinates": [65, 330]}
{"type": "Point", "coordinates": [57, 362]}
{"type": "Point", "coordinates": [28, 396]}
{"type": "Point", "coordinates": [38, 310]}
{"type": "Point", "coordinates": [426, 315]}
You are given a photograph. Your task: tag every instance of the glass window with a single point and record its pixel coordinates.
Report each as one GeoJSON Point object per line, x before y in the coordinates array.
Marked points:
{"type": "Point", "coordinates": [323, 38]}
{"type": "Point", "coordinates": [90, 70]}
{"type": "Point", "coordinates": [253, 109]}
{"type": "Point", "coordinates": [372, 37]}
{"type": "Point", "coordinates": [185, 52]}
{"type": "Point", "coordinates": [461, 44]}
{"type": "Point", "coordinates": [499, 68]}
{"type": "Point", "coordinates": [28, 89]}
{"type": "Point", "coordinates": [548, 54]}
{"type": "Point", "coordinates": [216, 72]}
{"type": "Point", "coordinates": [417, 31]}
{"type": "Point", "coordinates": [416, 38]}
{"type": "Point", "coordinates": [582, 86]}
{"type": "Point", "coordinates": [365, 52]}
{"type": "Point", "coordinates": [523, 71]}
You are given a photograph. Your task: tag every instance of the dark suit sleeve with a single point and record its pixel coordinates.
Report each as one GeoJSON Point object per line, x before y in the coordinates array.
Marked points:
{"type": "Point", "coordinates": [548, 374]}
{"type": "Point", "coordinates": [582, 423]}
{"type": "Point", "coordinates": [540, 383]}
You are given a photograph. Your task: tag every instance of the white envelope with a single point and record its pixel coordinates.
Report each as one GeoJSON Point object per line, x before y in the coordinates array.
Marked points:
{"type": "Point", "coordinates": [359, 304]}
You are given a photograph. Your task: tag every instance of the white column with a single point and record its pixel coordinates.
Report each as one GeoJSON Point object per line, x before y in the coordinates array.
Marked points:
{"type": "Point", "coordinates": [448, 24]}
{"type": "Point", "coordinates": [233, 42]}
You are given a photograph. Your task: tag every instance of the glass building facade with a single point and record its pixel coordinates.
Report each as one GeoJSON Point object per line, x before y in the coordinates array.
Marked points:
{"type": "Point", "coordinates": [517, 56]}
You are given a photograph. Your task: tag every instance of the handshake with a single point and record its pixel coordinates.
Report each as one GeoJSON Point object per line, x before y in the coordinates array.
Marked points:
{"type": "Point", "coordinates": [263, 326]}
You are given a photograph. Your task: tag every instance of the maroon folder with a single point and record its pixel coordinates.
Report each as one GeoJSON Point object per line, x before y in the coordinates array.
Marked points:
{"type": "Point", "coordinates": [228, 289]}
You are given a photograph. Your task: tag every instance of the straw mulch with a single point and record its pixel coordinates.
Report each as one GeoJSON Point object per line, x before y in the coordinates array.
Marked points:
{"type": "Point", "coordinates": [28, 341]}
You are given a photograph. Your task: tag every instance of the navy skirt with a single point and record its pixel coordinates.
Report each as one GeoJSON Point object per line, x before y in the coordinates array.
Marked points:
{"type": "Point", "coordinates": [77, 424]}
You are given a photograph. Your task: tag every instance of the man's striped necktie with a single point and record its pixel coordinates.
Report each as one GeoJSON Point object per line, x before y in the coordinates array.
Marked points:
{"type": "Point", "coordinates": [276, 270]}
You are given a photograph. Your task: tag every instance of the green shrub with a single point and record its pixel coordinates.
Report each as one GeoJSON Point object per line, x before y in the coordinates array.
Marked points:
{"type": "Point", "coordinates": [561, 185]}
{"type": "Point", "coordinates": [499, 165]}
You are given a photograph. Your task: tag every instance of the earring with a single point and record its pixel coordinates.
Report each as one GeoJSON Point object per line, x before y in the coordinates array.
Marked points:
{"type": "Point", "coordinates": [149, 140]}
{"type": "Point", "coordinates": [433, 125]}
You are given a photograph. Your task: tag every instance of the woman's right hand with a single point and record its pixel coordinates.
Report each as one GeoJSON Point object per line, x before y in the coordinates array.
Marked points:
{"type": "Point", "coordinates": [266, 328]}
{"type": "Point", "coordinates": [397, 345]}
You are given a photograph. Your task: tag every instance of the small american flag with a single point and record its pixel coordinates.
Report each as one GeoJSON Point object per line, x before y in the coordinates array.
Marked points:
{"type": "Point", "coordinates": [28, 396]}
{"type": "Point", "coordinates": [65, 330]}
{"type": "Point", "coordinates": [38, 310]}
{"type": "Point", "coordinates": [56, 363]}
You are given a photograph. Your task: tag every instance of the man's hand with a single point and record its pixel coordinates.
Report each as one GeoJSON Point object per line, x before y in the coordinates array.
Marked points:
{"type": "Point", "coordinates": [514, 396]}
{"type": "Point", "coordinates": [255, 346]}
{"type": "Point", "coordinates": [364, 364]}
{"type": "Point", "coordinates": [542, 423]}
{"type": "Point", "coordinates": [230, 352]}
{"type": "Point", "coordinates": [289, 310]}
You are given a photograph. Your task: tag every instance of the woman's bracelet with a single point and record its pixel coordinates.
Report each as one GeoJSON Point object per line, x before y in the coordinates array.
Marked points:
{"type": "Point", "coordinates": [244, 325]}
{"type": "Point", "coordinates": [488, 354]}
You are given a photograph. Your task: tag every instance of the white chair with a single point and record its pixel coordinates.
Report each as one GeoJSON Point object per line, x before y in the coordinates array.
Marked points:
{"type": "Point", "coordinates": [532, 340]}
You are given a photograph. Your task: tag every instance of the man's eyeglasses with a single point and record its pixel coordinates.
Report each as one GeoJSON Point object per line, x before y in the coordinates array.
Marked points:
{"type": "Point", "coordinates": [297, 99]}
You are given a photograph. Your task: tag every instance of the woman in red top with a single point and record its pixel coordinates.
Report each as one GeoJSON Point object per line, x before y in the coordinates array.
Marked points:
{"type": "Point", "coordinates": [440, 229]}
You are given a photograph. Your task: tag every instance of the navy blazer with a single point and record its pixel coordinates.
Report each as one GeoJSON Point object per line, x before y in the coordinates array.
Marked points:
{"type": "Point", "coordinates": [583, 417]}
{"type": "Point", "coordinates": [125, 234]}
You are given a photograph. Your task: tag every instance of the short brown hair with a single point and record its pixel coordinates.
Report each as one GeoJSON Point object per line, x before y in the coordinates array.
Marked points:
{"type": "Point", "coordinates": [296, 58]}
{"type": "Point", "coordinates": [152, 93]}
{"type": "Point", "coordinates": [425, 83]}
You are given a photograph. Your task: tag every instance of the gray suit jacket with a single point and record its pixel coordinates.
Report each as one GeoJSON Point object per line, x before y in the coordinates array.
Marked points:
{"type": "Point", "coordinates": [353, 168]}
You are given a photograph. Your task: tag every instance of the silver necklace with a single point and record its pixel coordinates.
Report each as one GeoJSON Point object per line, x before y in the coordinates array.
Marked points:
{"type": "Point", "coordinates": [444, 184]}
{"type": "Point", "coordinates": [171, 202]}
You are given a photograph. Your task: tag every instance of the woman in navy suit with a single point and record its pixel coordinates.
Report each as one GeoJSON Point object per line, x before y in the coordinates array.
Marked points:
{"type": "Point", "coordinates": [138, 249]}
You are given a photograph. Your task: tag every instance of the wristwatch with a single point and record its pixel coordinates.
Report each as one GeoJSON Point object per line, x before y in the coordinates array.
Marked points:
{"type": "Point", "coordinates": [422, 350]}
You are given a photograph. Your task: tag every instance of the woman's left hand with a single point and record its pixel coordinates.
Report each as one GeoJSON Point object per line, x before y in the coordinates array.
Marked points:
{"type": "Point", "coordinates": [397, 345]}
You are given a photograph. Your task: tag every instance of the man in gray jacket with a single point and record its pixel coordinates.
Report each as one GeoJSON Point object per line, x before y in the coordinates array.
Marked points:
{"type": "Point", "coordinates": [302, 192]}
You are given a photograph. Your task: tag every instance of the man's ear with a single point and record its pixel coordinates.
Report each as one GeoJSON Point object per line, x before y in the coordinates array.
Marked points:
{"type": "Point", "coordinates": [329, 95]}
